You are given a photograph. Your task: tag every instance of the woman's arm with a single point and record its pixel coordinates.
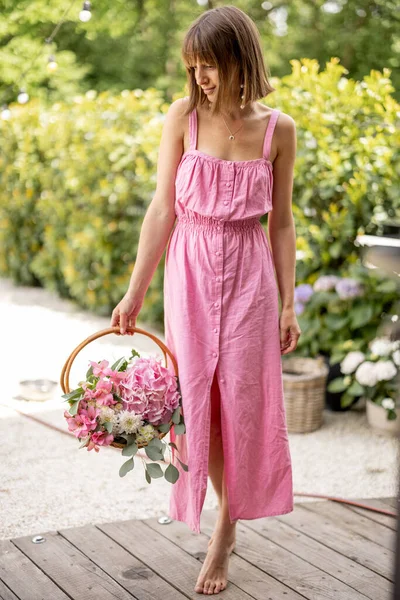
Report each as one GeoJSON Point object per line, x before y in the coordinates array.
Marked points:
{"type": "Point", "coordinates": [160, 215]}
{"type": "Point", "coordinates": [281, 230]}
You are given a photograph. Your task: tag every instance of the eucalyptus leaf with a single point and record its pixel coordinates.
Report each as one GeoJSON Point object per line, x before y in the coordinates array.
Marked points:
{"type": "Point", "coordinates": [176, 415]}
{"type": "Point", "coordinates": [179, 428]}
{"type": "Point", "coordinates": [184, 467]}
{"type": "Point", "coordinates": [173, 445]}
{"type": "Point", "coordinates": [171, 473]}
{"type": "Point", "coordinates": [119, 364]}
{"type": "Point", "coordinates": [74, 394]}
{"type": "Point", "coordinates": [156, 442]}
{"type": "Point", "coordinates": [153, 453]}
{"type": "Point", "coordinates": [73, 409]}
{"type": "Point", "coordinates": [148, 478]}
{"type": "Point", "coordinates": [154, 470]}
{"type": "Point", "coordinates": [164, 427]}
{"type": "Point", "coordinates": [89, 372]}
{"type": "Point", "coordinates": [126, 467]}
{"type": "Point", "coordinates": [130, 450]}
{"type": "Point", "coordinates": [108, 426]}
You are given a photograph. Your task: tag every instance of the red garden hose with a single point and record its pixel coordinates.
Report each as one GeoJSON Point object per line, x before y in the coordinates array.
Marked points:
{"type": "Point", "coordinates": [333, 498]}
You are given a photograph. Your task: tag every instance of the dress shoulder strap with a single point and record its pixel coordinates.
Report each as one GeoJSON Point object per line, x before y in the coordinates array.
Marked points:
{"type": "Point", "coordinates": [270, 132]}
{"type": "Point", "coordinates": [193, 129]}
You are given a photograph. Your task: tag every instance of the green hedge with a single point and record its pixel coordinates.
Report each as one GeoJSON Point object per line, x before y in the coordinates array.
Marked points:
{"type": "Point", "coordinates": [76, 180]}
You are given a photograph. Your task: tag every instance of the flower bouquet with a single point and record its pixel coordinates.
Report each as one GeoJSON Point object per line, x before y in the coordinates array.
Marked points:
{"type": "Point", "coordinates": [373, 374]}
{"type": "Point", "coordinates": [130, 405]}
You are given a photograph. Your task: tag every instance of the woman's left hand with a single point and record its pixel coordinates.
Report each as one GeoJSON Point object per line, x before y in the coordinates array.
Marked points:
{"type": "Point", "coordinates": [289, 330]}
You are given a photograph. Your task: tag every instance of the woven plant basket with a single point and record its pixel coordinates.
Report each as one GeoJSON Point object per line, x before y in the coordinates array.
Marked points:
{"type": "Point", "coordinates": [304, 385]}
{"type": "Point", "coordinates": [64, 379]}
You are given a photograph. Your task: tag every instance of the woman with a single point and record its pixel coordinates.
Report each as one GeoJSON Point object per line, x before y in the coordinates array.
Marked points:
{"type": "Point", "coordinates": [221, 150]}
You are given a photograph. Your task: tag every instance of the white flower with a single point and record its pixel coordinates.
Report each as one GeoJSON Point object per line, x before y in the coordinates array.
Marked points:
{"type": "Point", "coordinates": [381, 347]}
{"type": "Point", "coordinates": [396, 357]}
{"type": "Point", "coordinates": [388, 403]}
{"type": "Point", "coordinates": [350, 362]}
{"type": "Point", "coordinates": [385, 370]}
{"type": "Point", "coordinates": [146, 433]}
{"type": "Point", "coordinates": [129, 422]}
{"type": "Point", "coordinates": [107, 415]}
{"type": "Point", "coordinates": [366, 374]}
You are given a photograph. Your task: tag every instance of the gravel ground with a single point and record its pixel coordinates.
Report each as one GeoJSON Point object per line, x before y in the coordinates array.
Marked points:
{"type": "Point", "coordinates": [47, 483]}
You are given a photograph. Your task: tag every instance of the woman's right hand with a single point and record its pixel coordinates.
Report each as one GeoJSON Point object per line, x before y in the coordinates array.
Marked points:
{"type": "Point", "coordinates": [125, 313]}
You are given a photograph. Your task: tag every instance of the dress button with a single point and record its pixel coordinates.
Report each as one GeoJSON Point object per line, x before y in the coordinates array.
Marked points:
{"type": "Point", "coordinates": [228, 185]}
{"type": "Point", "coordinates": [214, 354]}
{"type": "Point", "coordinates": [216, 330]}
{"type": "Point", "coordinates": [218, 253]}
{"type": "Point", "coordinates": [216, 304]}
{"type": "Point", "coordinates": [218, 228]}
{"type": "Point", "coordinates": [221, 220]}
{"type": "Point", "coordinates": [222, 380]}
{"type": "Point", "coordinates": [218, 279]}
{"type": "Point", "coordinates": [226, 202]}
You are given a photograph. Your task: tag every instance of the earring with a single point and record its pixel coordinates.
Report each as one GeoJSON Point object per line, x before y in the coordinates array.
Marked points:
{"type": "Point", "coordinates": [242, 97]}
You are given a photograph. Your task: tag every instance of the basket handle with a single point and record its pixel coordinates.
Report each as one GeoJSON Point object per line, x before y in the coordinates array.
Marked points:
{"type": "Point", "coordinates": [64, 379]}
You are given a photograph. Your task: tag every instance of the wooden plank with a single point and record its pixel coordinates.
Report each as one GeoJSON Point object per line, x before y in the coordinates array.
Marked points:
{"type": "Point", "coordinates": [286, 567]}
{"type": "Point", "coordinates": [339, 513]}
{"type": "Point", "coordinates": [5, 593]}
{"type": "Point", "coordinates": [23, 577]}
{"type": "Point", "coordinates": [129, 572]}
{"type": "Point", "coordinates": [247, 577]}
{"type": "Point", "coordinates": [342, 568]}
{"type": "Point", "coordinates": [71, 570]}
{"type": "Point", "coordinates": [331, 534]}
{"type": "Point", "coordinates": [387, 521]}
{"type": "Point", "coordinates": [171, 562]}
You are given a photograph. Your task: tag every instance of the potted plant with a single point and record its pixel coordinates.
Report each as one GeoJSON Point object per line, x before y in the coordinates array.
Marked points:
{"type": "Point", "coordinates": [375, 376]}
{"type": "Point", "coordinates": [341, 313]}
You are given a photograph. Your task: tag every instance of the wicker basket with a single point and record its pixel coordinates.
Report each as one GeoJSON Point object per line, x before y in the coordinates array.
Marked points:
{"type": "Point", "coordinates": [64, 379]}
{"type": "Point", "coordinates": [304, 385]}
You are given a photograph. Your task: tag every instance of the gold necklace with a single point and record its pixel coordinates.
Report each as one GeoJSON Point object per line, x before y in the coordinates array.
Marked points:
{"type": "Point", "coordinates": [232, 135]}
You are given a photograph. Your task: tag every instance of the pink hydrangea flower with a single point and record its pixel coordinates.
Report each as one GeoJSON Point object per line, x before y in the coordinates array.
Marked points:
{"type": "Point", "coordinates": [150, 389]}
{"type": "Point", "coordinates": [83, 422]}
{"type": "Point", "coordinates": [99, 438]}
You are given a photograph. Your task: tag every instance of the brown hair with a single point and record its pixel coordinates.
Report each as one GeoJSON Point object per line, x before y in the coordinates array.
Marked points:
{"type": "Point", "coordinates": [227, 38]}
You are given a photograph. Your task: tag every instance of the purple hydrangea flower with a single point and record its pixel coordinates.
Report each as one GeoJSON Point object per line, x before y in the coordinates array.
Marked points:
{"type": "Point", "coordinates": [303, 293]}
{"type": "Point", "coordinates": [325, 283]}
{"type": "Point", "coordinates": [298, 308]}
{"type": "Point", "coordinates": [348, 288]}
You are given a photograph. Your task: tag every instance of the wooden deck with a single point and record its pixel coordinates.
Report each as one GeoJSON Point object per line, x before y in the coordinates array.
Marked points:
{"type": "Point", "coordinates": [322, 550]}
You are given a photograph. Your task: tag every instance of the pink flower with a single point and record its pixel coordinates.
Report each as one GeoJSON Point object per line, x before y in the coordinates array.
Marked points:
{"type": "Point", "coordinates": [83, 422]}
{"type": "Point", "coordinates": [102, 393]}
{"type": "Point", "coordinates": [99, 438]}
{"type": "Point", "coordinates": [149, 389]}
{"type": "Point", "coordinates": [103, 370]}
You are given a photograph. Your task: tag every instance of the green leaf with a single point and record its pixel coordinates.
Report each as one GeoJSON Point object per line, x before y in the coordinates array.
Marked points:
{"type": "Point", "coordinates": [156, 442]}
{"type": "Point", "coordinates": [173, 445]}
{"type": "Point", "coordinates": [337, 385]}
{"type": "Point", "coordinates": [148, 478]}
{"type": "Point", "coordinates": [355, 389]}
{"type": "Point", "coordinates": [392, 415]}
{"type": "Point", "coordinates": [130, 450]}
{"type": "Point", "coordinates": [74, 394]}
{"type": "Point", "coordinates": [336, 322]}
{"type": "Point", "coordinates": [73, 409]}
{"type": "Point", "coordinates": [346, 400]}
{"type": "Point", "coordinates": [108, 426]}
{"type": "Point", "coordinates": [171, 473]}
{"type": "Point", "coordinates": [154, 470]}
{"type": "Point", "coordinates": [179, 428]}
{"type": "Point", "coordinates": [126, 467]}
{"type": "Point", "coordinates": [361, 315]}
{"type": "Point", "coordinates": [176, 415]}
{"type": "Point", "coordinates": [84, 443]}
{"type": "Point", "coordinates": [184, 467]}
{"type": "Point", "coordinates": [164, 427]}
{"type": "Point", "coordinates": [387, 286]}
{"type": "Point", "coordinates": [121, 362]}
{"type": "Point", "coordinates": [89, 372]}
{"type": "Point", "coordinates": [153, 453]}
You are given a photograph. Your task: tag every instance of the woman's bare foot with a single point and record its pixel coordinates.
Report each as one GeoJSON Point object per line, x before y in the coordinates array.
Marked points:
{"type": "Point", "coordinates": [213, 576]}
